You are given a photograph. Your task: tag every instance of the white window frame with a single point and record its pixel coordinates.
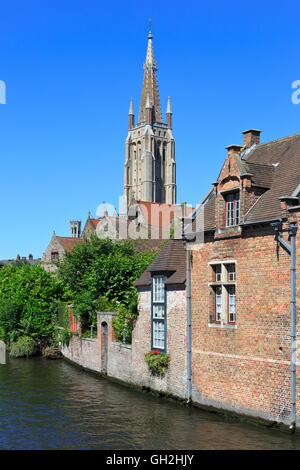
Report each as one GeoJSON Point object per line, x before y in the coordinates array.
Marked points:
{"type": "Point", "coordinates": [158, 313]}
{"type": "Point", "coordinates": [232, 201]}
{"type": "Point", "coordinates": [224, 292]}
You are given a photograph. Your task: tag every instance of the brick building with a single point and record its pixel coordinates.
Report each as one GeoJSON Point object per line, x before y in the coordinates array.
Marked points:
{"type": "Point", "coordinates": [240, 287]}
{"type": "Point", "coordinates": [56, 249]}
{"type": "Point", "coordinates": [240, 281]}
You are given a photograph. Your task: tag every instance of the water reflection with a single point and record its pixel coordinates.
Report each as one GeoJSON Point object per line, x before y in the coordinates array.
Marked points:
{"type": "Point", "coordinates": [54, 405]}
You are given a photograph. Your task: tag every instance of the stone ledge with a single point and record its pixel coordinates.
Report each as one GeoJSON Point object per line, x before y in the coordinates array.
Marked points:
{"type": "Point", "coordinates": [121, 345]}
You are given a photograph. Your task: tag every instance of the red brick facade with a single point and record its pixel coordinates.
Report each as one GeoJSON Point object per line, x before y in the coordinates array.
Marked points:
{"type": "Point", "coordinates": [244, 367]}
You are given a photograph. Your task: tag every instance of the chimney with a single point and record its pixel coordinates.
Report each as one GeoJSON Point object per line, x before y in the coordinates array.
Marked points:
{"type": "Point", "coordinates": [251, 137]}
{"type": "Point", "coordinates": [232, 149]}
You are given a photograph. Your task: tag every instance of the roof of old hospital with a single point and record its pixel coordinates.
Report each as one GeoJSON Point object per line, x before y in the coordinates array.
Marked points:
{"type": "Point", "coordinates": [273, 165]}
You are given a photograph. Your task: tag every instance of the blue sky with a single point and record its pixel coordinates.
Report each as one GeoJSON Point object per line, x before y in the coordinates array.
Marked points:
{"type": "Point", "coordinates": [70, 68]}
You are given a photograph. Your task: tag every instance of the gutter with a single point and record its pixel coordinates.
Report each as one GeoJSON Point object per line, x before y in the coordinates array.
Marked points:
{"type": "Point", "coordinates": [189, 322]}
{"type": "Point", "coordinates": [189, 325]}
{"type": "Point", "coordinates": [291, 249]}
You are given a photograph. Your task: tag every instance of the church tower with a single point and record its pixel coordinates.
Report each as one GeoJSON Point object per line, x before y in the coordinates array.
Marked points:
{"type": "Point", "coordinates": [150, 169]}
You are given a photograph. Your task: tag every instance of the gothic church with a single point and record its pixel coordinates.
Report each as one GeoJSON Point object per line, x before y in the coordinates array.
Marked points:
{"type": "Point", "coordinates": [150, 168]}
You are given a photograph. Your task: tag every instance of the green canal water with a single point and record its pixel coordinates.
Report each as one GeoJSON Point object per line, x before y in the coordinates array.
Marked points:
{"type": "Point", "coordinates": [55, 405]}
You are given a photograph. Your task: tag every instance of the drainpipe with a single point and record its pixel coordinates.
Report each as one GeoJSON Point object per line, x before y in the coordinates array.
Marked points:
{"type": "Point", "coordinates": [189, 336]}
{"type": "Point", "coordinates": [291, 249]}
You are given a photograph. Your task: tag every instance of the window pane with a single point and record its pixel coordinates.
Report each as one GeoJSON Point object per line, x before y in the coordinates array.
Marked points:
{"type": "Point", "coordinates": [158, 311]}
{"type": "Point", "coordinates": [158, 289]}
{"type": "Point", "coordinates": [237, 208]}
{"type": "Point", "coordinates": [232, 208]}
{"type": "Point", "coordinates": [231, 272]}
{"type": "Point", "coordinates": [158, 334]}
{"type": "Point", "coordinates": [218, 303]}
{"type": "Point", "coordinates": [231, 303]}
{"type": "Point", "coordinates": [218, 271]}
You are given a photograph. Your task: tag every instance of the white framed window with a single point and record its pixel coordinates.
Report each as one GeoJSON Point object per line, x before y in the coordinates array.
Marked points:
{"type": "Point", "coordinates": [158, 316]}
{"type": "Point", "coordinates": [232, 209]}
{"type": "Point", "coordinates": [224, 293]}
{"type": "Point", "coordinates": [218, 303]}
{"type": "Point", "coordinates": [231, 304]}
{"type": "Point", "coordinates": [218, 272]}
{"type": "Point", "coordinates": [230, 271]}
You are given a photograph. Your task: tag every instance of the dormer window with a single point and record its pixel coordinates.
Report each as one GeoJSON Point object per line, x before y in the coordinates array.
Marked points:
{"type": "Point", "coordinates": [232, 209]}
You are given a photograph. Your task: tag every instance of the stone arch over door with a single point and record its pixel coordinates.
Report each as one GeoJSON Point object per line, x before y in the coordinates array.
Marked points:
{"type": "Point", "coordinates": [105, 337]}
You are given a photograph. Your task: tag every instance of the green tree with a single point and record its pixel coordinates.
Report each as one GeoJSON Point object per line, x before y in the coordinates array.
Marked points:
{"type": "Point", "coordinates": [102, 269]}
{"type": "Point", "coordinates": [28, 303]}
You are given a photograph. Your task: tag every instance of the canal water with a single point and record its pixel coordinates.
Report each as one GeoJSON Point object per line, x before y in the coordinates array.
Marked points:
{"type": "Point", "coordinates": [54, 405]}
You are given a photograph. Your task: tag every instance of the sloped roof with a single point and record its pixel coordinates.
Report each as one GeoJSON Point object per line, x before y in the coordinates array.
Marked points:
{"type": "Point", "coordinates": [283, 158]}
{"type": "Point", "coordinates": [275, 167]}
{"type": "Point", "coordinates": [141, 245]}
{"type": "Point", "coordinates": [69, 242]}
{"type": "Point", "coordinates": [171, 260]}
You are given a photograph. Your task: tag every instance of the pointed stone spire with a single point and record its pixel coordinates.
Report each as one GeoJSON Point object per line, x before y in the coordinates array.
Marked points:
{"type": "Point", "coordinates": [147, 104]}
{"type": "Point", "coordinates": [131, 107]}
{"type": "Point", "coordinates": [131, 116]}
{"type": "Point", "coordinates": [150, 85]}
{"type": "Point", "coordinates": [169, 114]}
{"type": "Point", "coordinates": [148, 110]}
{"type": "Point", "coordinates": [150, 62]}
{"type": "Point", "coordinates": [169, 110]}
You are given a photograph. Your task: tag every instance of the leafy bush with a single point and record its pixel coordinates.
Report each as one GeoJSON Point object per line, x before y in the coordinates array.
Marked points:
{"type": "Point", "coordinates": [84, 306]}
{"type": "Point", "coordinates": [51, 352]}
{"type": "Point", "coordinates": [123, 321]}
{"type": "Point", "coordinates": [62, 314]}
{"type": "Point", "coordinates": [99, 276]}
{"type": "Point", "coordinates": [28, 303]}
{"type": "Point", "coordinates": [65, 336]}
{"type": "Point", "coordinates": [157, 362]}
{"type": "Point", "coordinates": [24, 346]}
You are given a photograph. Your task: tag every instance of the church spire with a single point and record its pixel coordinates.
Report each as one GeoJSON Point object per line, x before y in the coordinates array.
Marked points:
{"type": "Point", "coordinates": [150, 85]}
{"type": "Point", "coordinates": [131, 116]}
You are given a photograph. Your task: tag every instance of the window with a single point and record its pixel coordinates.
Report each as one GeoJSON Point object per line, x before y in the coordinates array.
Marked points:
{"type": "Point", "coordinates": [230, 272]}
{"type": "Point", "coordinates": [232, 209]}
{"type": "Point", "coordinates": [218, 272]}
{"type": "Point", "coordinates": [218, 297]}
{"type": "Point", "coordinates": [224, 293]}
{"type": "Point", "coordinates": [231, 304]}
{"type": "Point", "coordinates": [54, 255]}
{"type": "Point", "coordinates": [158, 313]}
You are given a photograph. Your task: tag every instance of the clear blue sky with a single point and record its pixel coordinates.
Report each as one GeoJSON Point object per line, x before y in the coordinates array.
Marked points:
{"type": "Point", "coordinates": [71, 66]}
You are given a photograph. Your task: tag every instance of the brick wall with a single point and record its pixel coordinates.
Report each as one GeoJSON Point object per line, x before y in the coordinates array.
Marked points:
{"type": "Point", "coordinates": [84, 352]}
{"type": "Point", "coordinates": [126, 362]}
{"type": "Point", "coordinates": [174, 381]}
{"type": "Point", "coordinates": [244, 368]}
